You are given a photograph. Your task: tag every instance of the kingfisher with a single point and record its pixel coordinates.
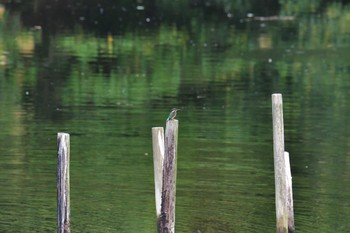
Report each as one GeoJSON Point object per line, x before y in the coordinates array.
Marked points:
{"type": "Point", "coordinates": [172, 115]}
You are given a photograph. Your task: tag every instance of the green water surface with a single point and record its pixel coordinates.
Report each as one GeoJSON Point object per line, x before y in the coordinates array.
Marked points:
{"type": "Point", "coordinates": [108, 72]}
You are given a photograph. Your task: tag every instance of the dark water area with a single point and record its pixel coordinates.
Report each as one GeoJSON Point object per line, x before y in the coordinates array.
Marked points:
{"type": "Point", "coordinates": [107, 72]}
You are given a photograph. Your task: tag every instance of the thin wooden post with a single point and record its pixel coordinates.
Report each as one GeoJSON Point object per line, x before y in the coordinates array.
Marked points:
{"type": "Point", "coordinates": [158, 158]}
{"type": "Point", "coordinates": [291, 227]}
{"type": "Point", "coordinates": [279, 164]}
{"type": "Point", "coordinates": [167, 216]}
{"type": "Point", "coordinates": [63, 198]}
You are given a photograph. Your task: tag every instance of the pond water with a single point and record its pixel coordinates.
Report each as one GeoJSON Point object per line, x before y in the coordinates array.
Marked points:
{"type": "Point", "coordinates": [108, 72]}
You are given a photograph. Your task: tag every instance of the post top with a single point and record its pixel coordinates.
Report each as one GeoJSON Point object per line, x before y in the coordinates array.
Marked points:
{"type": "Point", "coordinates": [157, 128]}
{"type": "Point", "coordinates": [276, 98]}
{"type": "Point", "coordinates": [62, 133]}
{"type": "Point", "coordinates": [172, 123]}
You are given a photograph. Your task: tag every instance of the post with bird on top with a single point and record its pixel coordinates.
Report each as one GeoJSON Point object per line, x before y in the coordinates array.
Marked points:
{"type": "Point", "coordinates": [283, 178]}
{"type": "Point", "coordinates": [165, 158]}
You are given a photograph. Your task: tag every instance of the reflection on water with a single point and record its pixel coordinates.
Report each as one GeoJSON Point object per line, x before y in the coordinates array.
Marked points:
{"type": "Point", "coordinates": [80, 68]}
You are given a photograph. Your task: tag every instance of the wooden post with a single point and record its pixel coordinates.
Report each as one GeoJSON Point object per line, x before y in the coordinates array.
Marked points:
{"type": "Point", "coordinates": [279, 165]}
{"type": "Point", "coordinates": [291, 227]}
{"type": "Point", "coordinates": [167, 216]}
{"type": "Point", "coordinates": [158, 158]}
{"type": "Point", "coordinates": [63, 198]}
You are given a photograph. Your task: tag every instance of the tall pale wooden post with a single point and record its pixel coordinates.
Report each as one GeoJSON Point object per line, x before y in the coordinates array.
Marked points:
{"type": "Point", "coordinates": [63, 196]}
{"type": "Point", "coordinates": [279, 165]}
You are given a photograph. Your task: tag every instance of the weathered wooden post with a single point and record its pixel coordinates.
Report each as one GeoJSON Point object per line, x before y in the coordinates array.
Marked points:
{"type": "Point", "coordinates": [279, 164]}
{"type": "Point", "coordinates": [63, 198]}
{"type": "Point", "coordinates": [158, 157]}
{"type": "Point", "coordinates": [167, 216]}
{"type": "Point", "coordinates": [291, 227]}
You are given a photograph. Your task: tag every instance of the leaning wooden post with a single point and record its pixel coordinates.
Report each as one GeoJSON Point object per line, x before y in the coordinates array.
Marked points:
{"type": "Point", "coordinates": [158, 157]}
{"type": "Point", "coordinates": [63, 199]}
{"type": "Point", "coordinates": [291, 227]}
{"type": "Point", "coordinates": [279, 165]}
{"type": "Point", "coordinates": [167, 216]}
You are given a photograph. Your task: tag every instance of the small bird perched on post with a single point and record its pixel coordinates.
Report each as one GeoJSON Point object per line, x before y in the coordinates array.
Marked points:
{"type": "Point", "coordinates": [172, 115]}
